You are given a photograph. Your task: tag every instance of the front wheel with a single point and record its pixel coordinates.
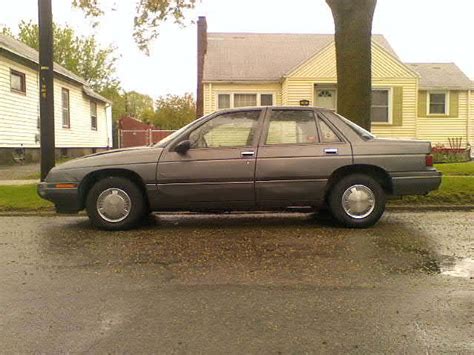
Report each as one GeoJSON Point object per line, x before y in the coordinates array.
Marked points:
{"type": "Point", "coordinates": [115, 203]}
{"type": "Point", "coordinates": [357, 201]}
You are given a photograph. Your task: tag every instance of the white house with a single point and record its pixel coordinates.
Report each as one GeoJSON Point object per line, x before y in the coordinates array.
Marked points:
{"type": "Point", "coordinates": [83, 118]}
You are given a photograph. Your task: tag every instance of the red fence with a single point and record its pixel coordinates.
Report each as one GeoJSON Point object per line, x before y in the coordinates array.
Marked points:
{"type": "Point", "coordinates": [137, 138]}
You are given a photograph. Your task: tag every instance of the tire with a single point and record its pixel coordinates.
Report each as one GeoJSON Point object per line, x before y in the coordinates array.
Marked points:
{"type": "Point", "coordinates": [122, 201]}
{"type": "Point", "coordinates": [344, 195]}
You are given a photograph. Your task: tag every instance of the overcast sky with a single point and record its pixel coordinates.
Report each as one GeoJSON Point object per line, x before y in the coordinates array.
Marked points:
{"type": "Point", "coordinates": [418, 30]}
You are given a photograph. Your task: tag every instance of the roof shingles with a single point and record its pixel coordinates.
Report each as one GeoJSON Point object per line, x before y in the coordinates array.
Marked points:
{"type": "Point", "coordinates": [270, 56]}
{"type": "Point", "coordinates": [263, 56]}
{"type": "Point", "coordinates": [441, 76]}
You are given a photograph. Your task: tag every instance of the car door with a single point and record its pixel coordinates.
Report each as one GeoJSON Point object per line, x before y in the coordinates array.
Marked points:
{"type": "Point", "coordinates": [297, 153]}
{"type": "Point", "coordinates": [218, 171]}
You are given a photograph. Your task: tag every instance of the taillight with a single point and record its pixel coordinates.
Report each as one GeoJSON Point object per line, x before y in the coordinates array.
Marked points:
{"type": "Point", "coordinates": [429, 160]}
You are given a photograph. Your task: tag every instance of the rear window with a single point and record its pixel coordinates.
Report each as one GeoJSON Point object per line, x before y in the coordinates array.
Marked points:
{"type": "Point", "coordinates": [364, 134]}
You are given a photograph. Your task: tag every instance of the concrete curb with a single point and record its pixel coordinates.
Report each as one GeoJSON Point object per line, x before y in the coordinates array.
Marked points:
{"type": "Point", "coordinates": [398, 208]}
{"type": "Point", "coordinates": [423, 208]}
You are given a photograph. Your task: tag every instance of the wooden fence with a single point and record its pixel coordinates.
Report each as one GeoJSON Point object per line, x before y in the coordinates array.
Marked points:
{"type": "Point", "coordinates": [137, 138]}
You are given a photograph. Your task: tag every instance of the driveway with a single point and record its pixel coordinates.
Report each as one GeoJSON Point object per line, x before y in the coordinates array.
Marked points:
{"type": "Point", "coordinates": [239, 283]}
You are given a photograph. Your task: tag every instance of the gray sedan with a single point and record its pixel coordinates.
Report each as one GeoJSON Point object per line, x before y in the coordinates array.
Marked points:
{"type": "Point", "coordinates": [263, 158]}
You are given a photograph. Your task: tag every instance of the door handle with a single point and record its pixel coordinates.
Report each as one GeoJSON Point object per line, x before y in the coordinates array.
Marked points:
{"type": "Point", "coordinates": [247, 154]}
{"type": "Point", "coordinates": [330, 150]}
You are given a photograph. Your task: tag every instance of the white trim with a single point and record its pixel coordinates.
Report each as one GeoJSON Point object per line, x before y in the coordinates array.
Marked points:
{"type": "Point", "coordinates": [390, 105]}
{"type": "Point", "coordinates": [446, 103]}
{"type": "Point", "coordinates": [232, 93]}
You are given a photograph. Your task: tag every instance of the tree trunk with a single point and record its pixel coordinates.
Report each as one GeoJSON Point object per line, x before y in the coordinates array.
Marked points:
{"type": "Point", "coordinates": [353, 24]}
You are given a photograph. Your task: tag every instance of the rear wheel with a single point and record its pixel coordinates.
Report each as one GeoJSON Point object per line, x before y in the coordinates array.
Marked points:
{"type": "Point", "coordinates": [115, 203]}
{"type": "Point", "coordinates": [357, 201]}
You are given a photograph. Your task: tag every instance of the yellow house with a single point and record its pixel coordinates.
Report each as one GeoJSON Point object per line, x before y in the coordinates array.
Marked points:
{"type": "Point", "coordinates": [432, 101]}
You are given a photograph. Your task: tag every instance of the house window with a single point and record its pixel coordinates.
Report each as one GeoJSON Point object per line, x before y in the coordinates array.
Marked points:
{"type": "Point", "coordinates": [223, 101]}
{"type": "Point", "coordinates": [66, 108]}
{"type": "Point", "coordinates": [245, 100]}
{"type": "Point", "coordinates": [380, 112]}
{"type": "Point", "coordinates": [266, 99]}
{"type": "Point", "coordinates": [17, 81]}
{"type": "Point", "coordinates": [94, 115]}
{"type": "Point", "coordinates": [230, 100]}
{"type": "Point", "coordinates": [437, 103]}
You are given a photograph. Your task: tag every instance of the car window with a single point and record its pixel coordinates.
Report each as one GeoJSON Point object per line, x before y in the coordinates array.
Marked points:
{"type": "Point", "coordinates": [357, 129]}
{"type": "Point", "coordinates": [327, 134]}
{"type": "Point", "coordinates": [292, 127]}
{"type": "Point", "coordinates": [235, 129]}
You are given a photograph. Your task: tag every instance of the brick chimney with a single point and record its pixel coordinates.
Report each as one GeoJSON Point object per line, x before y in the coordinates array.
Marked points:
{"type": "Point", "coordinates": [201, 53]}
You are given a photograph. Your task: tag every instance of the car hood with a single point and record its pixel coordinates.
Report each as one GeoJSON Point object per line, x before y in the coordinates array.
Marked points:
{"type": "Point", "coordinates": [135, 155]}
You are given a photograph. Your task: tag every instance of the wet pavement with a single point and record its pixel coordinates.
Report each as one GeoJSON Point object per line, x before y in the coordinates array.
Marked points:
{"type": "Point", "coordinates": [239, 283]}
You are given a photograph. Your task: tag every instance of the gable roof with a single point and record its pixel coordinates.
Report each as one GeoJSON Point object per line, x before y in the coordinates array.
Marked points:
{"type": "Point", "coordinates": [441, 76]}
{"type": "Point", "coordinates": [17, 48]}
{"type": "Point", "coordinates": [264, 56]}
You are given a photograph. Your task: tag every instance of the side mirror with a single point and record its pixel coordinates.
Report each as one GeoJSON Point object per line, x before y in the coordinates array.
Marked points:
{"type": "Point", "coordinates": [183, 147]}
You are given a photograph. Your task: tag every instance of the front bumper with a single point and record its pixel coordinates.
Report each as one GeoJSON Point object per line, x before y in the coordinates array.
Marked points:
{"type": "Point", "coordinates": [66, 200]}
{"type": "Point", "coordinates": [415, 183]}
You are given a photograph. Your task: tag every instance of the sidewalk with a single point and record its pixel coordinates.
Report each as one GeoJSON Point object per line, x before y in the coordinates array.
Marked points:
{"type": "Point", "coordinates": [19, 172]}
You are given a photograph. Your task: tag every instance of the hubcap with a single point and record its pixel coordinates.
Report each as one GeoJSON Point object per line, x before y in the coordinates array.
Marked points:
{"type": "Point", "coordinates": [113, 205]}
{"type": "Point", "coordinates": [358, 201]}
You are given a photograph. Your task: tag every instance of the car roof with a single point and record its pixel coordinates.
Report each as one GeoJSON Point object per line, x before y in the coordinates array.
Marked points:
{"type": "Point", "coordinates": [251, 108]}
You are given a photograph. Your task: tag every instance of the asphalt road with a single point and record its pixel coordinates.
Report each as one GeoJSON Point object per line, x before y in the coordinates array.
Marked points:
{"type": "Point", "coordinates": [262, 283]}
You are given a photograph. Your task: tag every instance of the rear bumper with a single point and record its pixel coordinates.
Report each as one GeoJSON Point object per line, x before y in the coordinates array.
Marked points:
{"type": "Point", "coordinates": [66, 200]}
{"type": "Point", "coordinates": [415, 183]}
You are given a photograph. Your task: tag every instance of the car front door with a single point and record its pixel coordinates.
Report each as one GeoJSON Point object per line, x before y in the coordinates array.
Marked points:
{"type": "Point", "coordinates": [218, 171]}
{"type": "Point", "coordinates": [297, 153]}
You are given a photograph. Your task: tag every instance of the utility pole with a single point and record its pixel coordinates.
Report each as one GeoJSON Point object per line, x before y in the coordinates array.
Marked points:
{"type": "Point", "coordinates": [46, 75]}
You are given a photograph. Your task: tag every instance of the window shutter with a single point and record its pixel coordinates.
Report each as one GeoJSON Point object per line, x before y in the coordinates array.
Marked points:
{"type": "Point", "coordinates": [397, 114]}
{"type": "Point", "coordinates": [454, 104]}
{"type": "Point", "coordinates": [422, 103]}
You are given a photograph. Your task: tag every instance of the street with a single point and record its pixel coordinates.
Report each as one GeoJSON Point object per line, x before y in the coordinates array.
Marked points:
{"type": "Point", "coordinates": [238, 283]}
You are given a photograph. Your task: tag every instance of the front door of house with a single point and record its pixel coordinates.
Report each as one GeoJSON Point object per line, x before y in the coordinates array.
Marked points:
{"type": "Point", "coordinates": [326, 98]}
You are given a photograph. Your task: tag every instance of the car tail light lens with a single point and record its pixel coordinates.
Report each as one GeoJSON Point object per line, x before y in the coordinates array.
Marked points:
{"type": "Point", "coordinates": [429, 160]}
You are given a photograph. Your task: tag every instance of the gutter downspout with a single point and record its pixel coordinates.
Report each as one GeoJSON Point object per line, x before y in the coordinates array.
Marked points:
{"type": "Point", "coordinates": [468, 122]}
{"type": "Point", "coordinates": [108, 129]}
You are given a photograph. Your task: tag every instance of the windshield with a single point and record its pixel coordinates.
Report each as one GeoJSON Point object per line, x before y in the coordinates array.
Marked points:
{"type": "Point", "coordinates": [164, 142]}
{"type": "Point", "coordinates": [357, 129]}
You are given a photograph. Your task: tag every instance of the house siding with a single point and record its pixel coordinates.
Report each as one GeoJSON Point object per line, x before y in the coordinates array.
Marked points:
{"type": "Point", "coordinates": [19, 114]}
{"type": "Point", "coordinates": [408, 128]}
{"type": "Point", "coordinates": [470, 123]}
{"type": "Point", "coordinates": [439, 128]}
{"type": "Point", "coordinates": [387, 72]}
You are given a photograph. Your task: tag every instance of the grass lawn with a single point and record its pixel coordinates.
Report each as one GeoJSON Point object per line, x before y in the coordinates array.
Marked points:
{"type": "Point", "coordinates": [23, 197]}
{"type": "Point", "coordinates": [454, 190]}
{"type": "Point", "coordinates": [456, 168]}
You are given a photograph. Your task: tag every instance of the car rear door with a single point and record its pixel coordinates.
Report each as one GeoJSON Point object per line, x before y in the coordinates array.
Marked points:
{"type": "Point", "coordinates": [218, 171]}
{"type": "Point", "coordinates": [297, 153]}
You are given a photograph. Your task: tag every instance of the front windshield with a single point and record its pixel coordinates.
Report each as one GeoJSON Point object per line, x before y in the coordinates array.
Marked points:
{"type": "Point", "coordinates": [164, 142]}
{"type": "Point", "coordinates": [357, 129]}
